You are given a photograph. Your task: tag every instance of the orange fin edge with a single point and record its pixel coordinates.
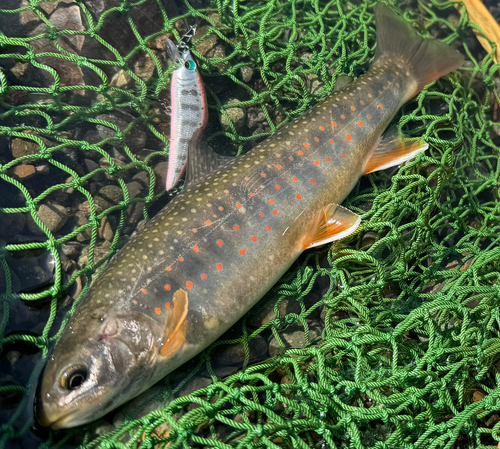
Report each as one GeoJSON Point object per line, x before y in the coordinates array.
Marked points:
{"type": "Point", "coordinates": [333, 222]}
{"type": "Point", "coordinates": [175, 331]}
{"type": "Point", "coordinates": [393, 151]}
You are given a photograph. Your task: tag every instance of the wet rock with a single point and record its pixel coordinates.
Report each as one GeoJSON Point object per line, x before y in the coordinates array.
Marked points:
{"type": "Point", "coordinates": [204, 44]}
{"type": "Point", "coordinates": [43, 169]}
{"type": "Point", "coordinates": [71, 249]}
{"type": "Point", "coordinates": [135, 138]}
{"type": "Point", "coordinates": [11, 224]}
{"type": "Point", "coordinates": [160, 170]}
{"type": "Point", "coordinates": [285, 307]}
{"type": "Point", "coordinates": [108, 196]}
{"type": "Point", "coordinates": [246, 74]}
{"type": "Point", "coordinates": [235, 354]}
{"type": "Point", "coordinates": [81, 219]}
{"type": "Point", "coordinates": [256, 118]}
{"type": "Point", "coordinates": [218, 52]}
{"type": "Point", "coordinates": [236, 116]}
{"type": "Point", "coordinates": [120, 80]}
{"type": "Point", "coordinates": [19, 69]}
{"type": "Point", "coordinates": [23, 171]}
{"type": "Point", "coordinates": [293, 337]}
{"type": "Point", "coordinates": [145, 67]}
{"type": "Point", "coordinates": [54, 216]}
{"type": "Point", "coordinates": [105, 231]}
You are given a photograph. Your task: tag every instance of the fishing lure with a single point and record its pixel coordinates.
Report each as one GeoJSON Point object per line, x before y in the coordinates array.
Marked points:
{"type": "Point", "coordinates": [188, 110]}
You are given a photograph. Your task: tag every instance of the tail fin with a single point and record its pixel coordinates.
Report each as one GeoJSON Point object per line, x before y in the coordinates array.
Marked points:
{"type": "Point", "coordinates": [425, 60]}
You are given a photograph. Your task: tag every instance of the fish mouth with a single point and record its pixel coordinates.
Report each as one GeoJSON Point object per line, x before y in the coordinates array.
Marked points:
{"type": "Point", "coordinates": [60, 422]}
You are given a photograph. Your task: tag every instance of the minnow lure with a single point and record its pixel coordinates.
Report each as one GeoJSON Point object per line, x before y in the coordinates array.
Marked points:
{"type": "Point", "coordinates": [220, 245]}
{"type": "Point", "coordinates": [188, 110]}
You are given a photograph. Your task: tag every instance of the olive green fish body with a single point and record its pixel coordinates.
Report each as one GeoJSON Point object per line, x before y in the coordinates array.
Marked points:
{"type": "Point", "coordinates": [222, 243]}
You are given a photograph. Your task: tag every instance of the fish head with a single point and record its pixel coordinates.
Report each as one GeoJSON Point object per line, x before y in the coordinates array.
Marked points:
{"type": "Point", "coordinates": [98, 364]}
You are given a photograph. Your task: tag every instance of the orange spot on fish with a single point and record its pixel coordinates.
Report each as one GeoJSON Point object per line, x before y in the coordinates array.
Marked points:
{"type": "Point", "coordinates": [219, 266]}
{"type": "Point", "coordinates": [316, 139]}
{"type": "Point", "coordinates": [268, 227]}
{"type": "Point", "coordinates": [380, 106]}
{"type": "Point", "coordinates": [203, 276]}
{"type": "Point", "coordinates": [342, 117]}
{"type": "Point", "coordinates": [189, 284]}
{"type": "Point", "coordinates": [181, 259]}
{"type": "Point", "coordinates": [316, 162]}
{"type": "Point", "coordinates": [238, 205]}
{"type": "Point", "coordinates": [143, 290]}
{"type": "Point", "coordinates": [301, 153]}
{"type": "Point", "coordinates": [295, 179]}
{"type": "Point", "coordinates": [196, 248]}
{"type": "Point", "coordinates": [208, 223]}
{"type": "Point", "coordinates": [361, 102]}
{"type": "Point", "coordinates": [167, 305]}
{"type": "Point", "coordinates": [278, 155]}
{"type": "Point", "coordinates": [331, 141]}
{"type": "Point", "coordinates": [328, 159]}
{"type": "Point", "coordinates": [360, 124]}
{"type": "Point", "coordinates": [247, 178]}
{"type": "Point", "coordinates": [312, 181]}
{"type": "Point", "coordinates": [275, 212]}
{"type": "Point", "coordinates": [299, 196]}
{"type": "Point", "coordinates": [370, 95]}
{"type": "Point", "coordinates": [307, 145]}
{"type": "Point", "coordinates": [334, 123]}
{"type": "Point", "coordinates": [277, 186]}
{"type": "Point", "coordinates": [291, 158]}
{"type": "Point", "coordinates": [251, 194]}
{"type": "Point", "coordinates": [236, 227]}
{"type": "Point", "coordinates": [168, 269]}
{"type": "Point", "coordinates": [167, 287]}
{"type": "Point", "coordinates": [368, 116]}
{"type": "Point", "coordinates": [321, 128]}
{"type": "Point", "coordinates": [261, 214]}
{"type": "Point", "coordinates": [271, 201]}
{"type": "Point", "coordinates": [219, 242]}
{"type": "Point", "coordinates": [157, 310]}
{"type": "Point", "coordinates": [353, 108]}
{"type": "Point", "coordinates": [134, 301]}
{"type": "Point", "coordinates": [278, 167]}
{"type": "Point", "coordinates": [348, 137]}
{"type": "Point", "coordinates": [263, 175]}
{"type": "Point", "coordinates": [342, 154]}
{"type": "Point", "coordinates": [221, 208]}
{"type": "Point", "coordinates": [326, 172]}
{"type": "Point", "coordinates": [226, 191]}
{"type": "Point", "coordinates": [194, 230]}
{"type": "Point", "coordinates": [242, 252]}
{"type": "Point", "coordinates": [253, 238]}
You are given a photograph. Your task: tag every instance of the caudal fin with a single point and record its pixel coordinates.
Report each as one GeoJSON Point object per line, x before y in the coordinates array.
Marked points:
{"type": "Point", "coordinates": [425, 60]}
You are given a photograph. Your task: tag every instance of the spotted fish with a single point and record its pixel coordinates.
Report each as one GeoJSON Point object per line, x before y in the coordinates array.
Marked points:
{"type": "Point", "coordinates": [221, 244]}
{"type": "Point", "coordinates": [189, 110]}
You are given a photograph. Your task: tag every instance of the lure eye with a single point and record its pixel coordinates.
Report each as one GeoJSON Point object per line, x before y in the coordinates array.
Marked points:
{"type": "Point", "coordinates": [73, 377]}
{"type": "Point", "coordinates": [190, 65]}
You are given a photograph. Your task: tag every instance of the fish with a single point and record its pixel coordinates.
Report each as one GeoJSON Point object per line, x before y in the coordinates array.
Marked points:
{"type": "Point", "coordinates": [189, 110]}
{"type": "Point", "coordinates": [212, 253]}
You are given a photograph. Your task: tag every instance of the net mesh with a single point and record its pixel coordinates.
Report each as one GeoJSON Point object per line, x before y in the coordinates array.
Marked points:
{"type": "Point", "coordinates": [388, 339]}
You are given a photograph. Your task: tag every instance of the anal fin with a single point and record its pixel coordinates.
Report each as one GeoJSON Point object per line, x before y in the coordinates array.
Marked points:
{"type": "Point", "coordinates": [175, 331]}
{"type": "Point", "coordinates": [392, 151]}
{"type": "Point", "coordinates": [333, 222]}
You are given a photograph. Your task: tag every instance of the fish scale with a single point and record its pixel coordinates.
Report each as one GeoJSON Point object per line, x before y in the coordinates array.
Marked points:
{"type": "Point", "coordinates": [222, 243]}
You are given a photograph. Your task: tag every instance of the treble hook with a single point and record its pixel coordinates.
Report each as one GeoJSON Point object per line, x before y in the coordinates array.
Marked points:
{"type": "Point", "coordinates": [184, 40]}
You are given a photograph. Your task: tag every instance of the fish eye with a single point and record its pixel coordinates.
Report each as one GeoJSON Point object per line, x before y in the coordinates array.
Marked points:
{"type": "Point", "coordinates": [73, 377]}
{"type": "Point", "coordinates": [190, 65]}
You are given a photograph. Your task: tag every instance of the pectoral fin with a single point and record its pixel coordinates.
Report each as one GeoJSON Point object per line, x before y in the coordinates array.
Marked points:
{"type": "Point", "coordinates": [393, 150]}
{"type": "Point", "coordinates": [332, 223]}
{"type": "Point", "coordinates": [175, 332]}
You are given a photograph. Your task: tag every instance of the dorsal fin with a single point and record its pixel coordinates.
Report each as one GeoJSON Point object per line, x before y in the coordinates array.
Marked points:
{"type": "Point", "coordinates": [201, 158]}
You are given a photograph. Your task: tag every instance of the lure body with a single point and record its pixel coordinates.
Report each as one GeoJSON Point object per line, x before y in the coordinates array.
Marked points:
{"type": "Point", "coordinates": [221, 244]}
{"type": "Point", "coordinates": [189, 111]}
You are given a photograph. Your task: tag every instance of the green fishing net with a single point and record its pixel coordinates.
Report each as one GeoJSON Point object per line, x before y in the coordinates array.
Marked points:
{"type": "Point", "coordinates": [387, 339]}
